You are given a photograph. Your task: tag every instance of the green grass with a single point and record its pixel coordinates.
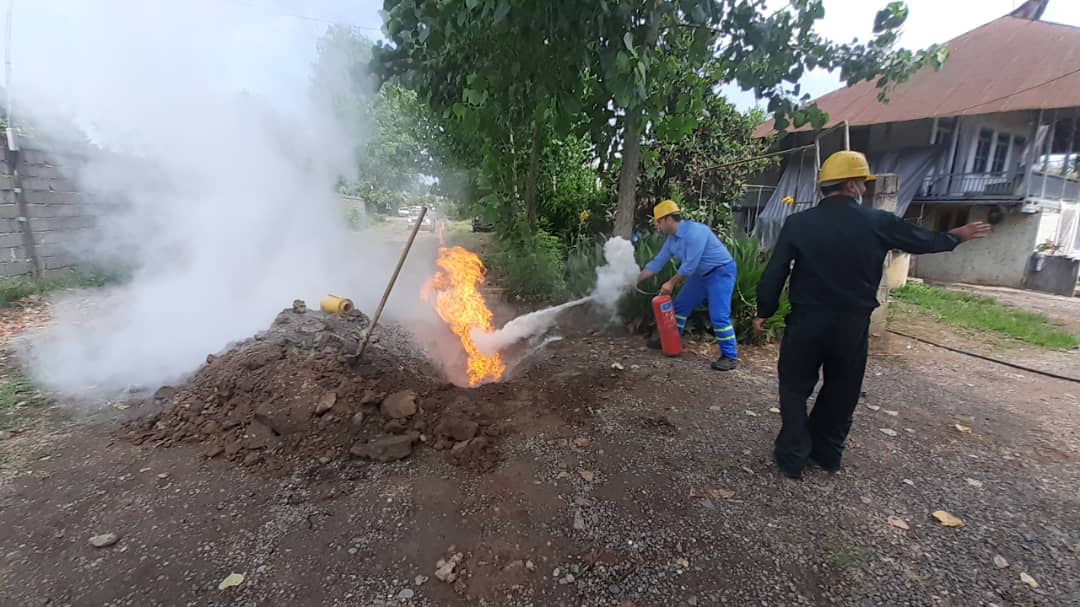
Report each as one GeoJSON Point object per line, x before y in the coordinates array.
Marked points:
{"type": "Point", "coordinates": [14, 289]}
{"type": "Point", "coordinates": [15, 393]}
{"type": "Point", "coordinates": [979, 313]}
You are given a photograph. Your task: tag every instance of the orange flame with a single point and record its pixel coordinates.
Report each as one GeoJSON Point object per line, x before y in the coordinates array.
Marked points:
{"type": "Point", "coordinates": [458, 301]}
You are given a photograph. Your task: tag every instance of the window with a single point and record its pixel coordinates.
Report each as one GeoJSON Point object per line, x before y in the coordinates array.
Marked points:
{"type": "Point", "coordinates": [982, 151]}
{"type": "Point", "coordinates": [1001, 153]}
{"type": "Point", "coordinates": [949, 217]}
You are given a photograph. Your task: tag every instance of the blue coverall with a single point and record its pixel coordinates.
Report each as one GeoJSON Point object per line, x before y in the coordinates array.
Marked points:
{"type": "Point", "coordinates": [710, 275]}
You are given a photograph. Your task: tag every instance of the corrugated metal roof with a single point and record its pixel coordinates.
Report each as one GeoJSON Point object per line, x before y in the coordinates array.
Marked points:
{"type": "Point", "coordinates": [1006, 65]}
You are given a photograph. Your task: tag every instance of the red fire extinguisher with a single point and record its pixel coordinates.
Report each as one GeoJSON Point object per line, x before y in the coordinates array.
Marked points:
{"type": "Point", "coordinates": [666, 328]}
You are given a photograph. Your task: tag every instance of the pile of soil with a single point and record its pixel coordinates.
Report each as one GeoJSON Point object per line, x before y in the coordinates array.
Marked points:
{"type": "Point", "coordinates": [296, 392]}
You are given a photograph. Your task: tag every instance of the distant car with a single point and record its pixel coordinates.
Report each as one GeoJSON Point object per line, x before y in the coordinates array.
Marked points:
{"type": "Point", "coordinates": [404, 212]}
{"type": "Point", "coordinates": [479, 226]}
{"type": "Point", "coordinates": [428, 224]}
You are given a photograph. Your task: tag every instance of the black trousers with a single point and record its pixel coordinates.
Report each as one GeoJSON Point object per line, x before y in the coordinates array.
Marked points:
{"type": "Point", "coordinates": [833, 342]}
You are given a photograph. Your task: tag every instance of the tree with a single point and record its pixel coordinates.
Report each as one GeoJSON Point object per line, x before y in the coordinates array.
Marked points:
{"type": "Point", "coordinates": [515, 70]}
{"type": "Point", "coordinates": [388, 128]}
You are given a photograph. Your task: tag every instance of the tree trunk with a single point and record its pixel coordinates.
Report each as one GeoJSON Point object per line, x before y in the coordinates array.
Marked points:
{"type": "Point", "coordinates": [533, 174]}
{"type": "Point", "coordinates": [631, 149]}
{"type": "Point", "coordinates": [628, 176]}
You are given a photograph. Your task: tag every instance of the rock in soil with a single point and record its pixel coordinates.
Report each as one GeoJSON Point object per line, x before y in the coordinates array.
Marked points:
{"type": "Point", "coordinates": [399, 405]}
{"type": "Point", "coordinates": [387, 448]}
{"type": "Point", "coordinates": [326, 403]}
{"type": "Point", "coordinates": [457, 427]}
{"type": "Point", "coordinates": [104, 540]}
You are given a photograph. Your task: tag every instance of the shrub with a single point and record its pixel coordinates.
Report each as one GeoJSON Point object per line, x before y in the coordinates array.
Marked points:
{"type": "Point", "coordinates": [531, 264]}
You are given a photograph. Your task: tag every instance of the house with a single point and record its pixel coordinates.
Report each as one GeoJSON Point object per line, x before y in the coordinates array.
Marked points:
{"type": "Point", "coordinates": [993, 136]}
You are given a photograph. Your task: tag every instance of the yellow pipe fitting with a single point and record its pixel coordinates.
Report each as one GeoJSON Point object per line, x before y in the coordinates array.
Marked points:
{"type": "Point", "coordinates": [332, 304]}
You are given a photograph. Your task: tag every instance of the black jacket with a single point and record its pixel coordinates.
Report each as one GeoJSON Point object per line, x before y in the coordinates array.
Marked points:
{"type": "Point", "coordinates": [839, 248]}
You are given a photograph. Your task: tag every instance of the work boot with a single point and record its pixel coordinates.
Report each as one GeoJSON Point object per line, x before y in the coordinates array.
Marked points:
{"type": "Point", "coordinates": [795, 475]}
{"type": "Point", "coordinates": [725, 364]}
{"type": "Point", "coordinates": [824, 464]}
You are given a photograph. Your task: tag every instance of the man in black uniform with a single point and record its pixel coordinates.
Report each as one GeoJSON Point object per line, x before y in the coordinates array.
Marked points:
{"type": "Point", "coordinates": [838, 249]}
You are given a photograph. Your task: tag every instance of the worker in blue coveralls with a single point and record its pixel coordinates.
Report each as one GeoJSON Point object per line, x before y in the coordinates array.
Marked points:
{"type": "Point", "coordinates": [706, 272]}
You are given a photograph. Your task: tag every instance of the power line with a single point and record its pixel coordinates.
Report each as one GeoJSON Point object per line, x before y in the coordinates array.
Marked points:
{"type": "Point", "coordinates": [1020, 92]}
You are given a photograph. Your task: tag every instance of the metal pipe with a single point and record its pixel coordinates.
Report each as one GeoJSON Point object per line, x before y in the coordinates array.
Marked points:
{"type": "Point", "coordinates": [390, 285]}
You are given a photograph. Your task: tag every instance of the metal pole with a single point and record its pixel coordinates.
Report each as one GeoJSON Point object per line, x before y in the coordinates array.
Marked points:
{"type": "Point", "coordinates": [10, 130]}
{"type": "Point", "coordinates": [1029, 161]}
{"type": "Point", "coordinates": [1049, 150]}
{"type": "Point", "coordinates": [847, 136]}
{"type": "Point", "coordinates": [1068, 157]}
{"type": "Point", "coordinates": [390, 285]}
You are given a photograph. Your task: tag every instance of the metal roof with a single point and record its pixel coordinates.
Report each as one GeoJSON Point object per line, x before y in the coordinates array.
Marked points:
{"type": "Point", "coordinates": [1007, 65]}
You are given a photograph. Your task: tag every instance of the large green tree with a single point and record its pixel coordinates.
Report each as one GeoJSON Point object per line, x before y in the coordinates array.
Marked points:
{"type": "Point", "coordinates": [516, 70]}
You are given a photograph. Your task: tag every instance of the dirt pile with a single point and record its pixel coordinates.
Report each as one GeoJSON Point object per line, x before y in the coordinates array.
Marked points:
{"type": "Point", "coordinates": [295, 393]}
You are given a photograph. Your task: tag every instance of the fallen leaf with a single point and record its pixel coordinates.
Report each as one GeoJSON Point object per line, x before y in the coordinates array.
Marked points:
{"type": "Point", "coordinates": [774, 409]}
{"type": "Point", "coordinates": [974, 483]}
{"type": "Point", "coordinates": [873, 407]}
{"type": "Point", "coordinates": [617, 366]}
{"type": "Point", "coordinates": [685, 564]}
{"type": "Point", "coordinates": [716, 408]}
{"type": "Point", "coordinates": [585, 474]}
{"type": "Point", "coordinates": [963, 429]}
{"type": "Point", "coordinates": [1000, 562]}
{"type": "Point", "coordinates": [887, 431]}
{"type": "Point", "coordinates": [899, 523]}
{"type": "Point", "coordinates": [1030, 581]}
{"type": "Point", "coordinates": [750, 413]}
{"type": "Point", "coordinates": [892, 413]}
{"type": "Point", "coordinates": [582, 442]}
{"type": "Point", "coordinates": [908, 481]}
{"type": "Point", "coordinates": [948, 520]}
{"type": "Point", "coordinates": [233, 579]}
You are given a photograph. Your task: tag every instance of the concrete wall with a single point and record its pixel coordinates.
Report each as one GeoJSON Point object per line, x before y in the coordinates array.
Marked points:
{"type": "Point", "coordinates": [41, 224]}
{"type": "Point", "coordinates": [1057, 275]}
{"type": "Point", "coordinates": [1000, 260]}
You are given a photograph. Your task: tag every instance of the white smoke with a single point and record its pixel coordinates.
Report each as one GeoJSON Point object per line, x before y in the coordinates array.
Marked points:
{"type": "Point", "coordinates": [618, 275]}
{"type": "Point", "coordinates": [613, 279]}
{"type": "Point", "coordinates": [228, 205]}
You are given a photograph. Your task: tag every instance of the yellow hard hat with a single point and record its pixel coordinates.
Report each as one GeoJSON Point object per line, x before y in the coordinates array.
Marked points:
{"type": "Point", "coordinates": [844, 166]}
{"type": "Point", "coordinates": [665, 208]}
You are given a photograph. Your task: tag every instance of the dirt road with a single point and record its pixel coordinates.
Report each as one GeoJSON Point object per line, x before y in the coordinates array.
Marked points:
{"type": "Point", "coordinates": [649, 484]}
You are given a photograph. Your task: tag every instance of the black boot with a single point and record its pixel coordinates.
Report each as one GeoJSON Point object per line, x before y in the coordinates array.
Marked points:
{"type": "Point", "coordinates": [788, 472]}
{"type": "Point", "coordinates": [725, 364]}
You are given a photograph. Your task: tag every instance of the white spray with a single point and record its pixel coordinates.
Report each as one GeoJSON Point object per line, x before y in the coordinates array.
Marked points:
{"type": "Point", "coordinates": [612, 280]}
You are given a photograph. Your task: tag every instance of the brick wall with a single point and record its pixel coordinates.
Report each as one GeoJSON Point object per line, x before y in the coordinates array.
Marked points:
{"type": "Point", "coordinates": [44, 220]}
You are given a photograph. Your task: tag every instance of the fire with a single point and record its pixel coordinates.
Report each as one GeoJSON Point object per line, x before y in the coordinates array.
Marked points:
{"type": "Point", "coordinates": [456, 292]}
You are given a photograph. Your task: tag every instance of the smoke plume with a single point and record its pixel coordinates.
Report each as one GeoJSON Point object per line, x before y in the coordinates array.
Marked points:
{"type": "Point", "coordinates": [221, 200]}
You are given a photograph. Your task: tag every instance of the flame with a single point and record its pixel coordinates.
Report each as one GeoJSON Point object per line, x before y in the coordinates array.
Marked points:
{"type": "Point", "coordinates": [455, 289]}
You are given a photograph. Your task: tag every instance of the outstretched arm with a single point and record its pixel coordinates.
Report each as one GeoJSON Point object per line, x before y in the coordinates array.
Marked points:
{"type": "Point", "coordinates": [899, 234]}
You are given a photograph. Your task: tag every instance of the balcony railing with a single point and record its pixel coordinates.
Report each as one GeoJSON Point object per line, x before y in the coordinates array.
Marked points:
{"type": "Point", "coordinates": [972, 185]}
{"type": "Point", "coordinates": [997, 186]}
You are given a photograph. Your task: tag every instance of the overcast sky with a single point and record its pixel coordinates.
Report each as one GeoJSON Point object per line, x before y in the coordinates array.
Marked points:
{"type": "Point", "coordinates": [63, 49]}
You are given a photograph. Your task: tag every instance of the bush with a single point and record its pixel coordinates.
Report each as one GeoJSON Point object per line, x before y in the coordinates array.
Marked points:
{"type": "Point", "coordinates": [532, 265]}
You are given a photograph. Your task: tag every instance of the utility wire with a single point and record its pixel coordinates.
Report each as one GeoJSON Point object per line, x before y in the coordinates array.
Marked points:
{"type": "Point", "coordinates": [987, 358]}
